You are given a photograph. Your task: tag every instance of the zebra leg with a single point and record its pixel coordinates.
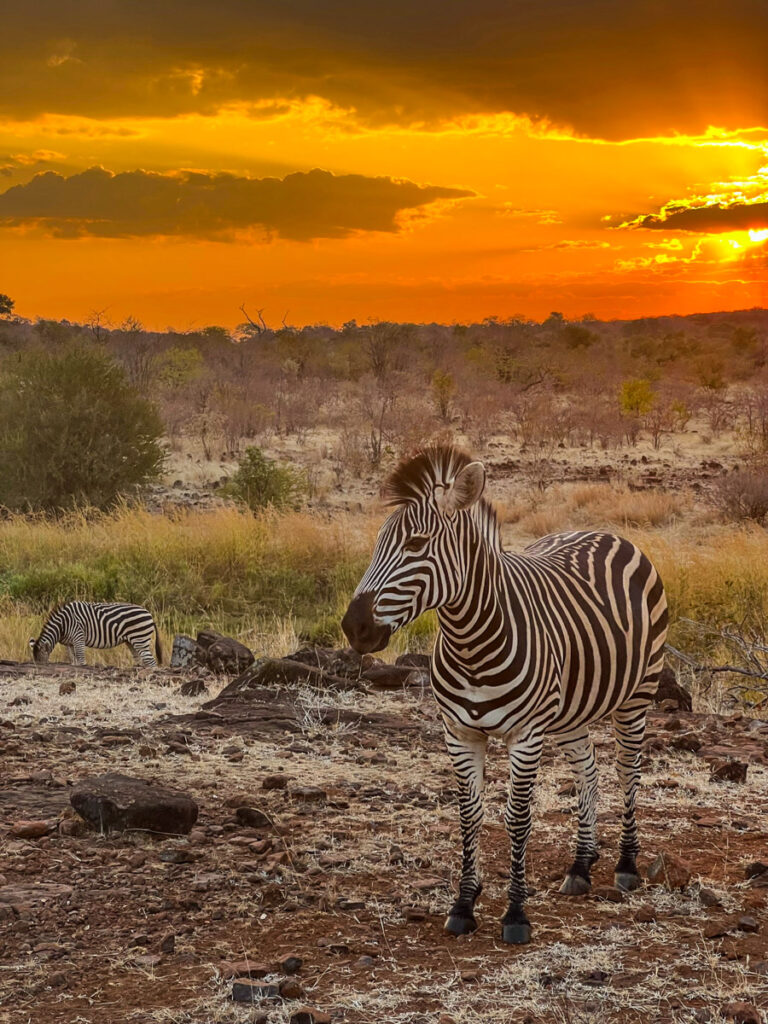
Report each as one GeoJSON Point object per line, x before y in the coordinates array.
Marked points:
{"type": "Point", "coordinates": [78, 650]}
{"type": "Point", "coordinates": [142, 654]}
{"type": "Point", "coordinates": [467, 752]}
{"type": "Point", "coordinates": [580, 752]}
{"type": "Point", "coordinates": [524, 757]}
{"type": "Point", "coordinates": [629, 726]}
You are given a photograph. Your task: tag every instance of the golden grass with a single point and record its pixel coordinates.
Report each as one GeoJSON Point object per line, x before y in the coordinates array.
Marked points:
{"type": "Point", "coordinates": [279, 578]}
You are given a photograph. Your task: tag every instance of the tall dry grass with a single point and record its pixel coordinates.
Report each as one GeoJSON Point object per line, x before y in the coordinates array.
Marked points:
{"type": "Point", "coordinates": [278, 578]}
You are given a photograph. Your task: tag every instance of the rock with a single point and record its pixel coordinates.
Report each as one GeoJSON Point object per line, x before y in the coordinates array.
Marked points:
{"type": "Point", "coordinates": [247, 991]}
{"type": "Point", "coordinates": [183, 652]}
{"type": "Point", "coordinates": [278, 781]}
{"type": "Point", "coordinates": [252, 817]}
{"type": "Point", "coordinates": [67, 687]}
{"type": "Point", "coordinates": [178, 856]}
{"type": "Point", "coordinates": [147, 960]}
{"type": "Point", "coordinates": [31, 829]}
{"type": "Point", "coordinates": [308, 794]}
{"type": "Point", "coordinates": [31, 895]}
{"type": "Point", "coordinates": [249, 969]}
{"type": "Point", "coordinates": [718, 929]}
{"type": "Point", "coordinates": [308, 1015]}
{"type": "Point", "coordinates": [168, 943]}
{"type": "Point", "coordinates": [608, 894]}
{"type": "Point", "coordinates": [388, 677]}
{"type": "Point", "coordinates": [644, 914]}
{"type": "Point", "coordinates": [222, 654]}
{"type": "Point", "coordinates": [670, 689]}
{"type": "Point", "coordinates": [747, 923]}
{"type": "Point", "coordinates": [291, 964]}
{"type": "Point", "coordinates": [419, 661]}
{"type": "Point", "coordinates": [670, 871]}
{"type": "Point", "coordinates": [416, 914]}
{"type": "Point", "coordinates": [742, 1013]}
{"type": "Point", "coordinates": [686, 741]}
{"type": "Point", "coordinates": [728, 771]}
{"type": "Point", "coordinates": [708, 898]}
{"type": "Point", "coordinates": [119, 802]}
{"type": "Point", "coordinates": [291, 989]}
{"type": "Point", "coordinates": [425, 884]}
{"type": "Point", "coordinates": [755, 868]}
{"type": "Point", "coordinates": [193, 688]}
{"type": "Point", "coordinates": [281, 672]}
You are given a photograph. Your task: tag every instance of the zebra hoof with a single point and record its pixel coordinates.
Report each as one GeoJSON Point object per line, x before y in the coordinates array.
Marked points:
{"type": "Point", "coordinates": [516, 934]}
{"type": "Point", "coordinates": [626, 881]}
{"type": "Point", "coordinates": [575, 885]}
{"type": "Point", "coordinates": [456, 924]}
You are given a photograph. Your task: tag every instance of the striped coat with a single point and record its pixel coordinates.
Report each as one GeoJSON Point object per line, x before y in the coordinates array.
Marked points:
{"type": "Point", "coordinates": [81, 624]}
{"type": "Point", "coordinates": [545, 642]}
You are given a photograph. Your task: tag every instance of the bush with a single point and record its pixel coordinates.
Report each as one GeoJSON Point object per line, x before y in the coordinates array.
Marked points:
{"type": "Point", "coordinates": [260, 482]}
{"type": "Point", "coordinates": [73, 432]}
{"type": "Point", "coordinates": [743, 495]}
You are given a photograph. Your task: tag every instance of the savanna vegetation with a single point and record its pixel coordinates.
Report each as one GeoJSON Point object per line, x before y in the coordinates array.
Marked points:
{"type": "Point", "coordinates": [290, 430]}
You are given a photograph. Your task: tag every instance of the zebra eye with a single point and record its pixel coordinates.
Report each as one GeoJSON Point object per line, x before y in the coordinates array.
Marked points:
{"type": "Point", "coordinates": [415, 543]}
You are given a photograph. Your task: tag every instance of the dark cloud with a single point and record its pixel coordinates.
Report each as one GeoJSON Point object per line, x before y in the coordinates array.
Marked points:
{"type": "Point", "coordinates": [609, 69]}
{"type": "Point", "coordinates": [300, 206]}
{"type": "Point", "coordinates": [738, 217]}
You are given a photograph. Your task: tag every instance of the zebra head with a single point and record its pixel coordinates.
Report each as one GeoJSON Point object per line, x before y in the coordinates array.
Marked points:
{"type": "Point", "coordinates": [41, 650]}
{"type": "Point", "coordinates": [417, 562]}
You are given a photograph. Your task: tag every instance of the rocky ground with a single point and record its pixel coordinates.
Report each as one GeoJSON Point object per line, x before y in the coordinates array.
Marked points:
{"type": "Point", "coordinates": [325, 901]}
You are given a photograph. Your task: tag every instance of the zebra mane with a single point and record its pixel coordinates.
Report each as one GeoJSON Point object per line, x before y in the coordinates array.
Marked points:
{"type": "Point", "coordinates": [415, 478]}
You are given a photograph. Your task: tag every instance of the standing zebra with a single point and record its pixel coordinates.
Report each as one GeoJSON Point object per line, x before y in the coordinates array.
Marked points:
{"type": "Point", "coordinates": [543, 642]}
{"type": "Point", "coordinates": [80, 624]}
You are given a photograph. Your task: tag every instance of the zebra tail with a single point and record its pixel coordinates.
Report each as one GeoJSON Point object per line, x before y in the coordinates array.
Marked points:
{"type": "Point", "coordinates": [158, 647]}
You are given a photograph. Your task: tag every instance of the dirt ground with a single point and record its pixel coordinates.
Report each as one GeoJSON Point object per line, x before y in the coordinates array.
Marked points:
{"type": "Point", "coordinates": [355, 880]}
{"type": "Point", "coordinates": [687, 461]}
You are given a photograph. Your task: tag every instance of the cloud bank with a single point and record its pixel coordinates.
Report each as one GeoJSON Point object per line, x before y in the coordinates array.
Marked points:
{"type": "Point", "coordinates": [609, 70]}
{"type": "Point", "coordinates": [301, 206]}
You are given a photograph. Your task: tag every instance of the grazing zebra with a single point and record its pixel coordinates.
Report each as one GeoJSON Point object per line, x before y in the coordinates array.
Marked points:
{"type": "Point", "coordinates": [80, 624]}
{"type": "Point", "coordinates": [543, 642]}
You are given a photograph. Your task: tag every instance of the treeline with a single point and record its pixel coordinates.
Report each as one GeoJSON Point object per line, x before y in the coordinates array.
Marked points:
{"type": "Point", "coordinates": [386, 387]}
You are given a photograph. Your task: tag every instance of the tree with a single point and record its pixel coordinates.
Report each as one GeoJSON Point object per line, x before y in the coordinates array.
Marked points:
{"type": "Point", "coordinates": [636, 397]}
{"type": "Point", "coordinates": [6, 305]}
{"type": "Point", "coordinates": [73, 432]}
{"type": "Point", "coordinates": [260, 482]}
{"type": "Point", "coordinates": [443, 390]}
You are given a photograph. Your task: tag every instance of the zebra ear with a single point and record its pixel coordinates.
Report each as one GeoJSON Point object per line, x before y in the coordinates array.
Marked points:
{"type": "Point", "coordinates": [465, 490]}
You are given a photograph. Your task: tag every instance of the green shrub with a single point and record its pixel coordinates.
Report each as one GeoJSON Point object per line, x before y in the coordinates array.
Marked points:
{"type": "Point", "coordinates": [73, 432]}
{"type": "Point", "coordinates": [261, 482]}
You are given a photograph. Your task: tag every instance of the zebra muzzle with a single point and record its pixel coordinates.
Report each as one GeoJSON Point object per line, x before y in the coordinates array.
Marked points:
{"type": "Point", "coordinates": [364, 634]}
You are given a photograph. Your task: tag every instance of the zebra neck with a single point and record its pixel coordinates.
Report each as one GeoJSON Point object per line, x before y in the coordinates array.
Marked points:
{"type": "Point", "coordinates": [479, 620]}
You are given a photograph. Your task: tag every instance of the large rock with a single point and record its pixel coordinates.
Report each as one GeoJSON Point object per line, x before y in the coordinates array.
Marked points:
{"type": "Point", "coordinates": [277, 672]}
{"type": "Point", "coordinates": [118, 802]}
{"type": "Point", "coordinates": [222, 654]}
{"type": "Point", "coordinates": [420, 661]}
{"type": "Point", "coordinates": [183, 651]}
{"type": "Point", "coordinates": [392, 677]}
{"type": "Point", "coordinates": [670, 871]}
{"type": "Point", "coordinates": [670, 689]}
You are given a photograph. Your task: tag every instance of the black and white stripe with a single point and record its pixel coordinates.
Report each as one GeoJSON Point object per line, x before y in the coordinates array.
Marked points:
{"type": "Point", "coordinates": [544, 642]}
{"type": "Point", "coordinates": [80, 624]}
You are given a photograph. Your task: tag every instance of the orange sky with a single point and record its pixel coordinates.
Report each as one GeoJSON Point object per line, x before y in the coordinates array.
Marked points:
{"type": "Point", "coordinates": [381, 164]}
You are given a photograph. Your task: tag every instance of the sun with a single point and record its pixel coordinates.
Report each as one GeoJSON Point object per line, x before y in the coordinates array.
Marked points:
{"type": "Point", "coordinates": [758, 235]}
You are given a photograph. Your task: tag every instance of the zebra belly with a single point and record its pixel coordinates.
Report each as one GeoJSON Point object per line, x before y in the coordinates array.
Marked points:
{"type": "Point", "coordinates": [490, 710]}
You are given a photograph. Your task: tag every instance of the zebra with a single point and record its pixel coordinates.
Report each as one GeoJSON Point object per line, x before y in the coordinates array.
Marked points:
{"type": "Point", "coordinates": [81, 624]}
{"type": "Point", "coordinates": [544, 642]}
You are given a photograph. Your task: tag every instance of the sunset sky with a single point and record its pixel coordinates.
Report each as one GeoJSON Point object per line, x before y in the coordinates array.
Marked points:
{"type": "Point", "coordinates": [423, 161]}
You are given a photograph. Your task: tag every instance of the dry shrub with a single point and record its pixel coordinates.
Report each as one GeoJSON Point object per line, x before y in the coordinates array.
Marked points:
{"type": "Point", "coordinates": [597, 506]}
{"type": "Point", "coordinates": [743, 495]}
